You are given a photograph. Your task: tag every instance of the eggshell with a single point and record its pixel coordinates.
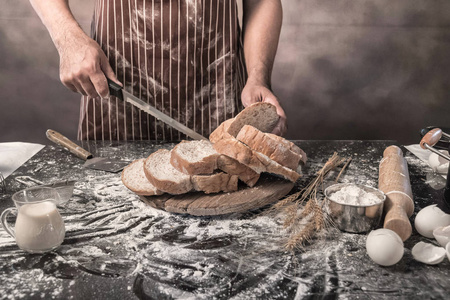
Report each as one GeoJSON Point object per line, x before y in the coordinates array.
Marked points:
{"type": "Point", "coordinates": [442, 235]}
{"type": "Point", "coordinates": [430, 218]}
{"type": "Point", "coordinates": [437, 163]}
{"type": "Point", "coordinates": [384, 247]}
{"type": "Point", "coordinates": [428, 253]}
{"type": "Point", "coordinates": [447, 250]}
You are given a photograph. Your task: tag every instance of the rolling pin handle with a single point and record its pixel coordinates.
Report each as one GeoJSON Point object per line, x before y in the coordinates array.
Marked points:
{"type": "Point", "coordinates": [431, 138]}
{"type": "Point", "coordinates": [397, 220]}
{"type": "Point", "coordinates": [393, 150]}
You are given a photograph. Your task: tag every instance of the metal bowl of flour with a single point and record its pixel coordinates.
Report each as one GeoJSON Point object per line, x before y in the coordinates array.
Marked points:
{"type": "Point", "coordinates": [354, 207]}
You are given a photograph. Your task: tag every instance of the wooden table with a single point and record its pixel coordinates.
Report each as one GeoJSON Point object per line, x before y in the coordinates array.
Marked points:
{"type": "Point", "coordinates": [116, 247]}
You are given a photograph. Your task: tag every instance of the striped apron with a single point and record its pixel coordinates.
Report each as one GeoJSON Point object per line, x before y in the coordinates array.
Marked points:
{"type": "Point", "coordinates": [183, 57]}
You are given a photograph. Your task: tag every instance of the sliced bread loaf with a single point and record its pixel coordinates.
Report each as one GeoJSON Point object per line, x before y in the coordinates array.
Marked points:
{"type": "Point", "coordinates": [160, 172]}
{"type": "Point", "coordinates": [231, 166]}
{"type": "Point", "coordinates": [260, 115]}
{"type": "Point", "coordinates": [214, 183]}
{"type": "Point", "coordinates": [194, 157]}
{"type": "Point", "coordinates": [133, 177]}
{"type": "Point", "coordinates": [253, 159]}
{"type": "Point", "coordinates": [274, 148]}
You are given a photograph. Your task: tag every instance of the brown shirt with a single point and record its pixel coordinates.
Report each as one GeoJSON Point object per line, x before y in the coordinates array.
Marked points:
{"type": "Point", "coordinates": [184, 57]}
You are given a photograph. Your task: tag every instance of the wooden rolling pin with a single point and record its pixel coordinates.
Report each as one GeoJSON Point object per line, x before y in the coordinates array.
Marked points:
{"type": "Point", "coordinates": [394, 181]}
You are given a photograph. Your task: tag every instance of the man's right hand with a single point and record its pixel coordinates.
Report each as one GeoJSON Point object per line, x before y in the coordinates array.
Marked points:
{"type": "Point", "coordinates": [84, 66]}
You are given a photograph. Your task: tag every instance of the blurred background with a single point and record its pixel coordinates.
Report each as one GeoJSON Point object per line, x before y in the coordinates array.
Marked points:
{"type": "Point", "coordinates": [345, 69]}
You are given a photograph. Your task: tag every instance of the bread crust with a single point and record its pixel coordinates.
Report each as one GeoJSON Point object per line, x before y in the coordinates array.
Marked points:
{"type": "Point", "coordinates": [276, 169]}
{"type": "Point", "coordinates": [253, 159]}
{"type": "Point", "coordinates": [233, 148]}
{"type": "Point", "coordinates": [293, 147]}
{"type": "Point", "coordinates": [215, 183]}
{"type": "Point", "coordinates": [221, 132]}
{"type": "Point", "coordinates": [274, 148]}
{"type": "Point", "coordinates": [231, 166]}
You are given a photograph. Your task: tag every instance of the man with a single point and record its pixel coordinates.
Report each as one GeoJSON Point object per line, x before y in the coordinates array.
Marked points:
{"type": "Point", "coordinates": [185, 57]}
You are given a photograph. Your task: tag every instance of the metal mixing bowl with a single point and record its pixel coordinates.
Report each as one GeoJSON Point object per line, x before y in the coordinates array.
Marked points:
{"type": "Point", "coordinates": [355, 218]}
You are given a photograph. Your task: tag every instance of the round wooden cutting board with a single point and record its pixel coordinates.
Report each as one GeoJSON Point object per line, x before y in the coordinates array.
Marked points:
{"type": "Point", "coordinates": [268, 189]}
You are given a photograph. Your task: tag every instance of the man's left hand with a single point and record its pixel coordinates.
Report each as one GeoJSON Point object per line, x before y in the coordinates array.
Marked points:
{"type": "Point", "coordinates": [254, 92]}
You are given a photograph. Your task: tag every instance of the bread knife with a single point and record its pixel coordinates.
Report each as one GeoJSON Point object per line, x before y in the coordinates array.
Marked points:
{"type": "Point", "coordinates": [117, 91]}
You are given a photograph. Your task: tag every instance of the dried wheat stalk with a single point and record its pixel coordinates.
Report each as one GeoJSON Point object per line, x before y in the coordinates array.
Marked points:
{"type": "Point", "coordinates": [312, 214]}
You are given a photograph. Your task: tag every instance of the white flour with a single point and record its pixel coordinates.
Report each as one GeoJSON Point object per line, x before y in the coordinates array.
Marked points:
{"type": "Point", "coordinates": [354, 195]}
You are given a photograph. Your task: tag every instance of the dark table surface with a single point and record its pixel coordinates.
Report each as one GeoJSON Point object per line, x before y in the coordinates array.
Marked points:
{"type": "Point", "coordinates": [116, 247]}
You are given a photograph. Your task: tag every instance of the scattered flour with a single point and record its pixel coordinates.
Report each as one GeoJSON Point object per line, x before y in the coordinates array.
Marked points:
{"type": "Point", "coordinates": [112, 234]}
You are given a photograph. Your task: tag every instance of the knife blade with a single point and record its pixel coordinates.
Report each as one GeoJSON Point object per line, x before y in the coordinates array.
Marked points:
{"type": "Point", "coordinates": [117, 91]}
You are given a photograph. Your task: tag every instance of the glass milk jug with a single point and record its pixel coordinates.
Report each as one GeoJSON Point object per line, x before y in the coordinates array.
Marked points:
{"type": "Point", "coordinates": [39, 227]}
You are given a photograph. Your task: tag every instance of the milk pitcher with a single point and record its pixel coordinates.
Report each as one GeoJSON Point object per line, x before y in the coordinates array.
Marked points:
{"type": "Point", "coordinates": [39, 227]}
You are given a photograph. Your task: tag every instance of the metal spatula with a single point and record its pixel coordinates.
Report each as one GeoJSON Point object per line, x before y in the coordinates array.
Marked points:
{"type": "Point", "coordinates": [96, 163]}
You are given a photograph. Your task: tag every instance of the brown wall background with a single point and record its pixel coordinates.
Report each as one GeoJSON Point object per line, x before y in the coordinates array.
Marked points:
{"type": "Point", "coordinates": [345, 69]}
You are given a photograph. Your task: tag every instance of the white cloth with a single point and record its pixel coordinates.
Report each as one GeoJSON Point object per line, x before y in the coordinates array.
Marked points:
{"type": "Point", "coordinates": [15, 154]}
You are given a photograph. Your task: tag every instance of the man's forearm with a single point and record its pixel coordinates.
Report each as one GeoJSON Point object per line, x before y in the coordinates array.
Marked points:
{"type": "Point", "coordinates": [262, 25]}
{"type": "Point", "coordinates": [58, 19]}
{"type": "Point", "coordinates": [83, 66]}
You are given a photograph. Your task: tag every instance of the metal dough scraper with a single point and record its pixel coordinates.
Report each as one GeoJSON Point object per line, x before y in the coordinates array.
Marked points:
{"type": "Point", "coordinates": [96, 163]}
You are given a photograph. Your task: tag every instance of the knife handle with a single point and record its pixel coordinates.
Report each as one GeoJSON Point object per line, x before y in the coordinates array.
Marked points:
{"type": "Point", "coordinates": [115, 89]}
{"type": "Point", "coordinates": [61, 140]}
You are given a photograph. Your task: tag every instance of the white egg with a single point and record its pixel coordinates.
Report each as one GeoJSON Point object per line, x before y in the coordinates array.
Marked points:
{"type": "Point", "coordinates": [428, 253]}
{"type": "Point", "coordinates": [437, 163]}
{"type": "Point", "coordinates": [384, 247]}
{"type": "Point", "coordinates": [442, 235]}
{"type": "Point", "coordinates": [430, 218]}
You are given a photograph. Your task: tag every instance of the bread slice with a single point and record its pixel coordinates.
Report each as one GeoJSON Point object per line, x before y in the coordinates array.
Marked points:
{"type": "Point", "coordinates": [272, 147]}
{"type": "Point", "coordinates": [214, 183]}
{"type": "Point", "coordinates": [194, 157]}
{"type": "Point", "coordinates": [231, 166]}
{"type": "Point", "coordinates": [160, 172]}
{"type": "Point", "coordinates": [253, 159]}
{"type": "Point", "coordinates": [275, 168]}
{"type": "Point", "coordinates": [293, 147]}
{"type": "Point", "coordinates": [133, 177]}
{"type": "Point", "coordinates": [233, 148]}
{"type": "Point", "coordinates": [261, 115]}
{"type": "Point", "coordinates": [221, 132]}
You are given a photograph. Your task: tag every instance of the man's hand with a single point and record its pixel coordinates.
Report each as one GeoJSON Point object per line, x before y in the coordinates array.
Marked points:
{"type": "Point", "coordinates": [254, 92]}
{"type": "Point", "coordinates": [261, 27]}
{"type": "Point", "coordinates": [84, 67]}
